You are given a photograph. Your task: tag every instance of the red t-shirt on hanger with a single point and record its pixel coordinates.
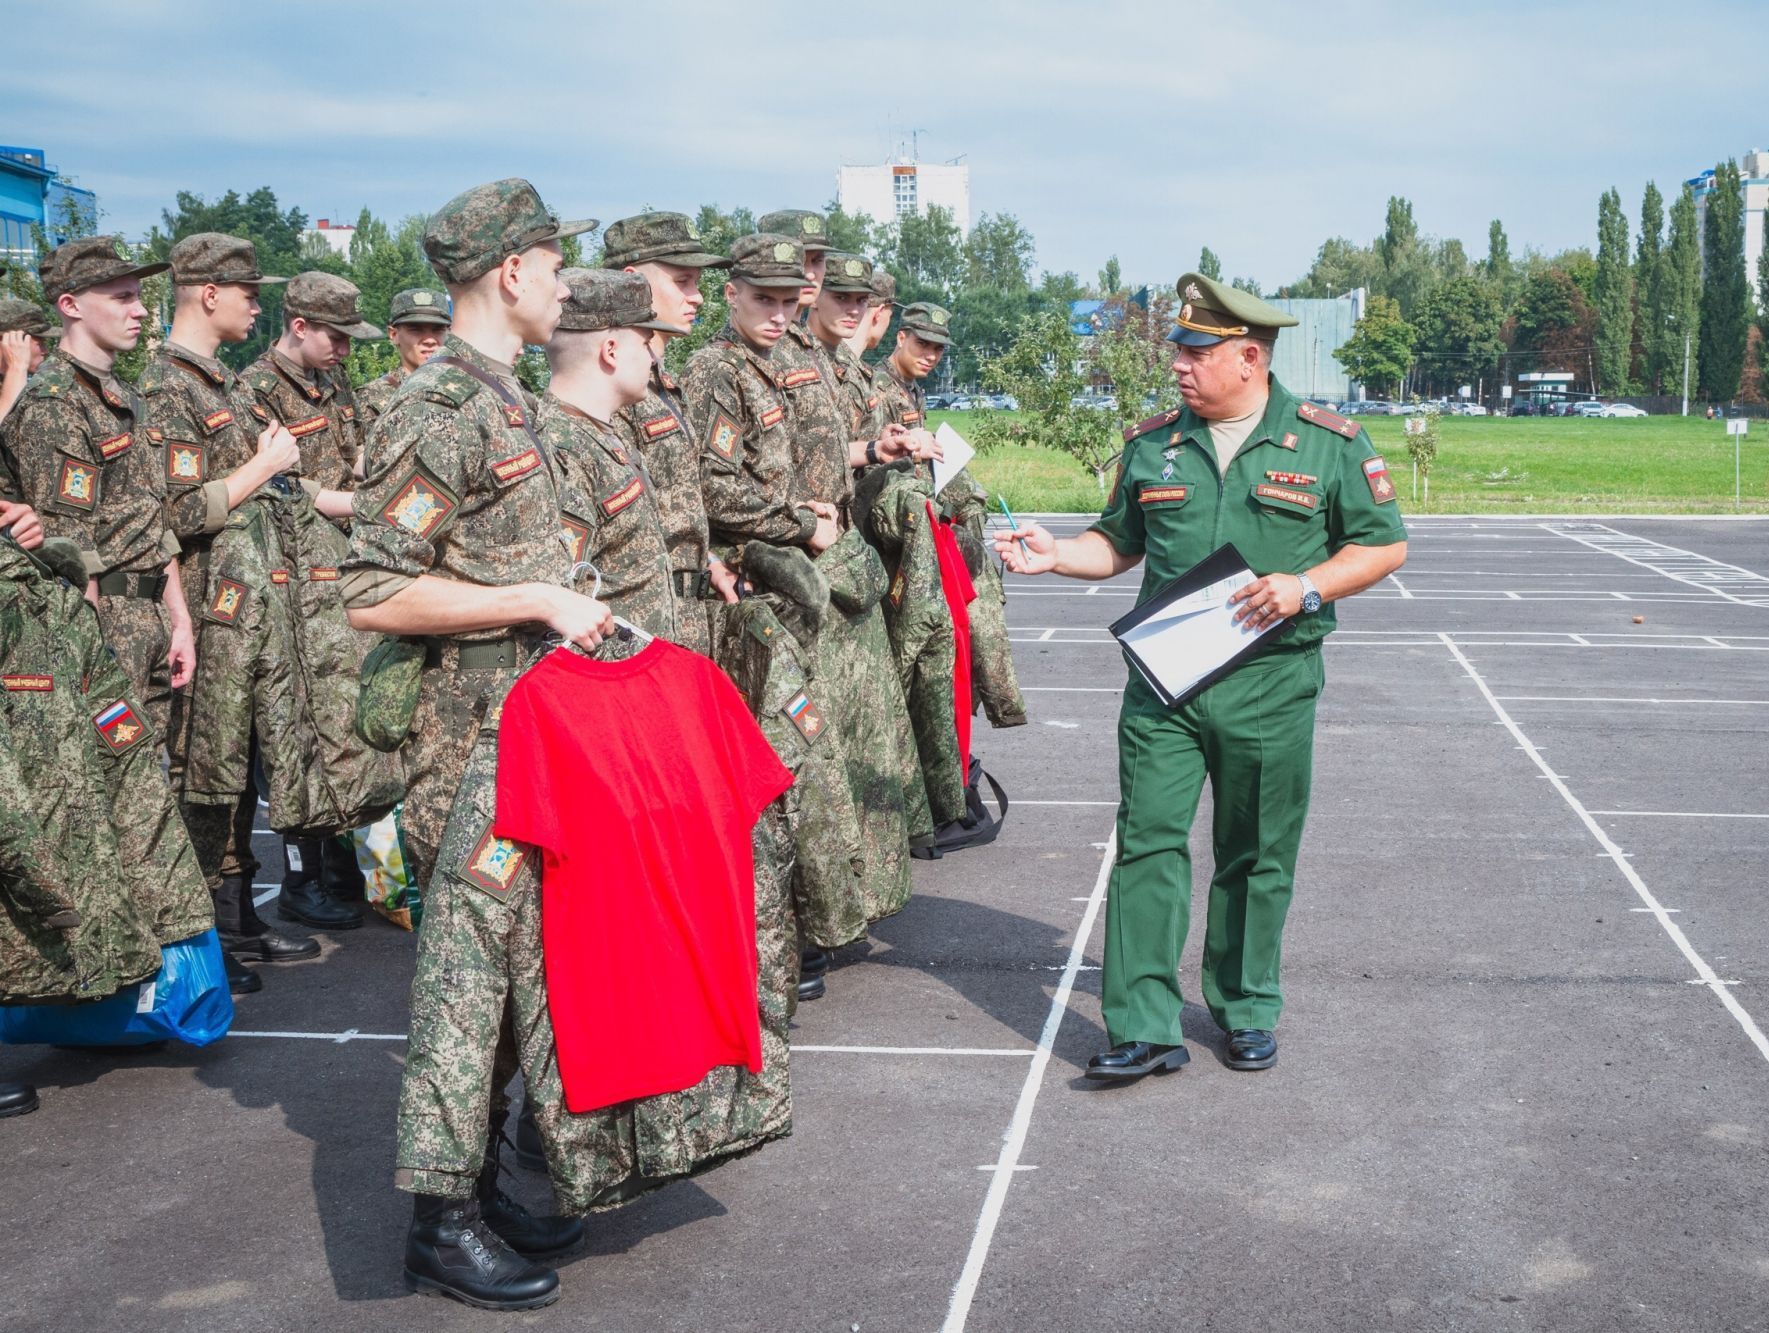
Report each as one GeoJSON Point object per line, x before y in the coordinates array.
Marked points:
{"type": "Point", "coordinates": [640, 781]}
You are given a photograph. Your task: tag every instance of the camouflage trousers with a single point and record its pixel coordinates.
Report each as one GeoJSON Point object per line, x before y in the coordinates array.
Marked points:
{"type": "Point", "coordinates": [993, 678]}
{"type": "Point", "coordinates": [479, 1009]}
{"type": "Point", "coordinates": [932, 704]}
{"type": "Point", "coordinates": [221, 834]}
{"type": "Point", "coordinates": [137, 630]}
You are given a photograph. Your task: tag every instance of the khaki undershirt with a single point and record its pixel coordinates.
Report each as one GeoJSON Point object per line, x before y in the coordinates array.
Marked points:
{"type": "Point", "coordinates": [1229, 434]}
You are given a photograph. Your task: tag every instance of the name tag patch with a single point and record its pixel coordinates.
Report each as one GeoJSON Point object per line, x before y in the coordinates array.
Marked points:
{"type": "Point", "coordinates": [1381, 485]}
{"type": "Point", "coordinates": [119, 726]}
{"type": "Point", "coordinates": [910, 418]}
{"type": "Point", "coordinates": [803, 714]}
{"type": "Point", "coordinates": [216, 420]}
{"type": "Point", "coordinates": [307, 427]}
{"type": "Point", "coordinates": [279, 576]}
{"type": "Point", "coordinates": [623, 497]}
{"type": "Point", "coordinates": [30, 684]}
{"type": "Point", "coordinates": [658, 427]}
{"type": "Point", "coordinates": [187, 463]}
{"type": "Point", "coordinates": [419, 506]}
{"type": "Point", "coordinates": [78, 485]}
{"type": "Point", "coordinates": [1156, 495]}
{"type": "Point", "coordinates": [117, 444]}
{"type": "Point", "coordinates": [773, 417]}
{"type": "Point", "coordinates": [322, 574]}
{"type": "Point", "coordinates": [494, 863]}
{"type": "Point", "coordinates": [809, 375]}
{"type": "Point", "coordinates": [512, 469]}
{"type": "Point", "coordinates": [1288, 496]}
{"type": "Point", "coordinates": [229, 600]}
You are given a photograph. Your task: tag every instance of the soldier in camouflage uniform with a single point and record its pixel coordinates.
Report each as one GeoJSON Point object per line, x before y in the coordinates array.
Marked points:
{"type": "Point", "coordinates": [601, 363]}
{"type": "Point", "coordinates": [666, 250]}
{"type": "Point", "coordinates": [416, 320]}
{"type": "Point", "coordinates": [300, 383]}
{"type": "Point", "coordinates": [458, 539]}
{"type": "Point", "coordinates": [922, 337]}
{"type": "Point", "coordinates": [213, 460]}
{"type": "Point", "coordinates": [79, 458]}
{"type": "Point", "coordinates": [25, 334]}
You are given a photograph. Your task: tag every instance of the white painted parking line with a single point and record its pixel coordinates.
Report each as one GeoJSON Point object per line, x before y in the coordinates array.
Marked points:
{"type": "Point", "coordinates": [1065, 803]}
{"type": "Point", "coordinates": [259, 899]}
{"type": "Point", "coordinates": [1705, 975]}
{"type": "Point", "coordinates": [1734, 583]}
{"type": "Point", "coordinates": [1680, 814]}
{"type": "Point", "coordinates": [1071, 689]}
{"type": "Point", "coordinates": [1014, 1142]}
{"type": "Point", "coordinates": [1616, 698]}
{"type": "Point", "coordinates": [1405, 595]}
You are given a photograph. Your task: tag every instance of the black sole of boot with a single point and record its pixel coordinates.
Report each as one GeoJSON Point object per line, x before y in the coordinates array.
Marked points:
{"type": "Point", "coordinates": [424, 1286]}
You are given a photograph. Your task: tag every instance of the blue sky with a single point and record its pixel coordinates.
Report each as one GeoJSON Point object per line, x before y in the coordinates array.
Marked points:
{"type": "Point", "coordinates": [1141, 129]}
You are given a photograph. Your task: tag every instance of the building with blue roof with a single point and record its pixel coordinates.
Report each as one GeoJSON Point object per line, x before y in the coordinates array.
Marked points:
{"type": "Point", "coordinates": [32, 195]}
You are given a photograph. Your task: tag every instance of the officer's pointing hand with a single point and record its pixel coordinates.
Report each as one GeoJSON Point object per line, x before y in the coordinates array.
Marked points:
{"type": "Point", "coordinates": [1268, 600]}
{"type": "Point", "coordinates": [1038, 555]}
{"type": "Point", "coordinates": [578, 619]}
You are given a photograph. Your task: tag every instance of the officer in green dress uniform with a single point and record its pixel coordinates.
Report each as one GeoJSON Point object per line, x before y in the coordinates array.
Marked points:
{"type": "Point", "coordinates": [1308, 503]}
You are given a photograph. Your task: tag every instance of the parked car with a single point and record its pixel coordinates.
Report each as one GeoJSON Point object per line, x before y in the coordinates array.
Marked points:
{"type": "Point", "coordinates": [1622, 410]}
{"type": "Point", "coordinates": [1590, 409]}
{"type": "Point", "coordinates": [1004, 402]}
{"type": "Point", "coordinates": [1519, 408]}
{"type": "Point", "coordinates": [936, 402]}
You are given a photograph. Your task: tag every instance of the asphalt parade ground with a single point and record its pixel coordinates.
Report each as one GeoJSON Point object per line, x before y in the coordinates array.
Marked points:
{"type": "Point", "coordinates": [1523, 1071]}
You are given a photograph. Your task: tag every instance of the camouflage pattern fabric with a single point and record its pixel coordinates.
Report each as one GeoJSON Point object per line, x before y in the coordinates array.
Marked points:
{"type": "Point", "coordinates": [817, 418]}
{"type": "Point", "coordinates": [749, 476]}
{"type": "Point", "coordinates": [372, 399]}
{"type": "Point", "coordinates": [612, 515]}
{"type": "Point", "coordinates": [770, 664]}
{"type": "Point", "coordinates": [864, 403]}
{"type": "Point", "coordinates": [91, 823]}
{"type": "Point", "coordinates": [891, 507]}
{"type": "Point", "coordinates": [480, 993]}
{"type": "Point", "coordinates": [657, 429]}
{"type": "Point", "coordinates": [318, 407]}
{"type": "Point", "coordinates": [473, 232]}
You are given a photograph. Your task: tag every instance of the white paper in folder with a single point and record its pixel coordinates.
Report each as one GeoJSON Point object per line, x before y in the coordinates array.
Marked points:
{"type": "Point", "coordinates": [1194, 635]}
{"type": "Point", "coordinates": [958, 452]}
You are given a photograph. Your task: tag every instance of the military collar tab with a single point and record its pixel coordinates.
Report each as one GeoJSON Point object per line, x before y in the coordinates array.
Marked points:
{"type": "Point", "coordinates": [211, 368]}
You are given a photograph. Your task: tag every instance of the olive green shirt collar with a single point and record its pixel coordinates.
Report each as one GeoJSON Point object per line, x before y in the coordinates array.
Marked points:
{"type": "Point", "coordinates": [1278, 406]}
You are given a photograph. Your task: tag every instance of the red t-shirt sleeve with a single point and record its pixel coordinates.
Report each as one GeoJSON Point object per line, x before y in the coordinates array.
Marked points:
{"type": "Point", "coordinates": [526, 808]}
{"type": "Point", "coordinates": [757, 775]}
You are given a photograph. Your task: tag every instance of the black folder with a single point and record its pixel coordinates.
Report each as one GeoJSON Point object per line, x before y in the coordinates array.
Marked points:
{"type": "Point", "coordinates": [1224, 562]}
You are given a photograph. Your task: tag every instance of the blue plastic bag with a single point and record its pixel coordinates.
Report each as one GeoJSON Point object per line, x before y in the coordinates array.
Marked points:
{"type": "Point", "coordinates": [187, 1001]}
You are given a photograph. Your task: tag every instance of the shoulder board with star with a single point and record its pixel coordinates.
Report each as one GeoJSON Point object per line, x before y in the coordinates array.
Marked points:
{"type": "Point", "coordinates": [262, 380]}
{"type": "Point", "coordinates": [1155, 422]}
{"type": "Point", "coordinates": [52, 379]}
{"type": "Point", "coordinates": [1316, 415]}
{"type": "Point", "coordinates": [443, 384]}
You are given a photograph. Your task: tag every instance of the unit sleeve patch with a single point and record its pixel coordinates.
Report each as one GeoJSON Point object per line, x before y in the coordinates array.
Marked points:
{"type": "Point", "coordinates": [1381, 484]}
{"type": "Point", "coordinates": [420, 505]}
{"type": "Point", "coordinates": [77, 484]}
{"type": "Point", "coordinates": [187, 464]}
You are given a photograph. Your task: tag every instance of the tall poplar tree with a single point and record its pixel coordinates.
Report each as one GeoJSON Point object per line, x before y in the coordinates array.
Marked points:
{"type": "Point", "coordinates": [1209, 265]}
{"type": "Point", "coordinates": [1614, 296]}
{"type": "Point", "coordinates": [1725, 291]}
{"type": "Point", "coordinates": [1657, 339]}
{"type": "Point", "coordinates": [1683, 294]}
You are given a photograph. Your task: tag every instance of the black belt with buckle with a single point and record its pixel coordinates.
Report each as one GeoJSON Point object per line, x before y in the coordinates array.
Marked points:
{"type": "Point", "coordinates": [475, 656]}
{"type": "Point", "coordinates": [150, 587]}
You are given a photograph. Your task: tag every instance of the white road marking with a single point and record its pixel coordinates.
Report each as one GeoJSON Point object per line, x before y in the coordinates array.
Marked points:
{"type": "Point", "coordinates": [351, 1034]}
{"type": "Point", "coordinates": [259, 899]}
{"type": "Point", "coordinates": [1014, 1142]}
{"type": "Point", "coordinates": [1074, 689]}
{"type": "Point", "coordinates": [1705, 975]}
{"type": "Point", "coordinates": [1679, 814]}
{"type": "Point", "coordinates": [1065, 803]}
{"type": "Point", "coordinates": [1712, 576]}
{"type": "Point", "coordinates": [1614, 698]}
{"type": "Point", "coordinates": [1405, 595]}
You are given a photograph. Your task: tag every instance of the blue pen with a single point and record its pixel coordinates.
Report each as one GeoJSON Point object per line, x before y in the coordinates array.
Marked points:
{"type": "Point", "coordinates": [1013, 524]}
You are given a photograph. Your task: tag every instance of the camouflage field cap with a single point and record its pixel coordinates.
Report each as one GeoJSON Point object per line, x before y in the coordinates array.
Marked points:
{"type": "Point", "coordinates": [1210, 311]}
{"type": "Point", "coordinates": [419, 305]}
{"type": "Point", "coordinates": [807, 228]}
{"type": "Point", "coordinates": [476, 230]}
{"type": "Point", "coordinates": [669, 238]}
{"type": "Point", "coordinates": [77, 265]}
{"type": "Point", "coordinates": [929, 322]}
{"type": "Point", "coordinates": [848, 273]}
{"type": "Point", "coordinates": [769, 259]}
{"type": "Point", "coordinates": [884, 286]}
{"type": "Point", "coordinates": [324, 298]}
{"type": "Point", "coordinates": [23, 317]}
{"type": "Point", "coordinates": [210, 256]}
{"type": "Point", "coordinates": [604, 298]}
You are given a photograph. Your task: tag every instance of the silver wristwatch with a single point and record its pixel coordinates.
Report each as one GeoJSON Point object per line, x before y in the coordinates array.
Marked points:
{"type": "Point", "coordinates": [1311, 595]}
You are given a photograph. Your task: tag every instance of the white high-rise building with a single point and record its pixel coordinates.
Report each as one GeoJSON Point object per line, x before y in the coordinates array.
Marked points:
{"type": "Point", "coordinates": [896, 189]}
{"type": "Point", "coordinates": [1754, 171]}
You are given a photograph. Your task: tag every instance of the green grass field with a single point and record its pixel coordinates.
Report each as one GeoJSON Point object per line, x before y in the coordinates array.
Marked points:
{"type": "Point", "coordinates": [1491, 465]}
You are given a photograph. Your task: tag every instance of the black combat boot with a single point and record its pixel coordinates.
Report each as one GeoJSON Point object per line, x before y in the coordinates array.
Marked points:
{"type": "Point", "coordinates": [243, 932]}
{"type": "Point", "coordinates": [339, 874]}
{"type": "Point", "coordinates": [17, 1099]}
{"type": "Point", "coordinates": [520, 1229]}
{"type": "Point", "coordinates": [302, 898]}
{"type": "Point", "coordinates": [450, 1251]}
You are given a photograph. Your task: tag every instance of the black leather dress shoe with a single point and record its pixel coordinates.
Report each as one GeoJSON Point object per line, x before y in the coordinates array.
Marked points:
{"type": "Point", "coordinates": [450, 1251]}
{"type": "Point", "coordinates": [1133, 1059]}
{"type": "Point", "coordinates": [812, 988]}
{"type": "Point", "coordinates": [270, 947]}
{"type": "Point", "coordinates": [1252, 1048]}
{"type": "Point", "coordinates": [17, 1099]}
{"type": "Point", "coordinates": [814, 962]}
{"type": "Point", "coordinates": [241, 980]}
{"type": "Point", "coordinates": [306, 902]}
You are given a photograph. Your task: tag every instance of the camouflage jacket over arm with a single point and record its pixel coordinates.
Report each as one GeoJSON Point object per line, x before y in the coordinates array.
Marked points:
{"type": "Point", "coordinates": [820, 422]}
{"type": "Point", "coordinates": [84, 463]}
{"type": "Point", "coordinates": [318, 407]}
{"type": "Point", "coordinates": [749, 477]}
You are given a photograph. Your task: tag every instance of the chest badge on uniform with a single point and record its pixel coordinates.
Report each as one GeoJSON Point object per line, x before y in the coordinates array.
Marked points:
{"type": "Point", "coordinates": [119, 726]}
{"type": "Point", "coordinates": [419, 506]}
{"type": "Point", "coordinates": [229, 600]}
{"type": "Point", "coordinates": [1292, 478]}
{"type": "Point", "coordinates": [494, 863]}
{"type": "Point", "coordinates": [803, 714]}
{"type": "Point", "coordinates": [723, 440]}
{"type": "Point", "coordinates": [308, 426]}
{"type": "Point", "coordinates": [186, 463]}
{"type": "Point", "coordinates": [78, 485]}
{"type": "Point", "coordinates": [1167, 472]}
{"type": "Point", "coordinates": [115, 446]}
{"type": "Point", "coordinates": [517, 467]}
{"type": "Point", "coordinates": [623, 497]}
{"type": "Point", "coordinates": [1381, 485]}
